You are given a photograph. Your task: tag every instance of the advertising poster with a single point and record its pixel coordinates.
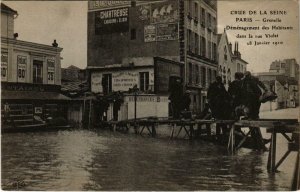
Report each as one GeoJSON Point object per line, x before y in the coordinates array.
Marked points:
{"type": "Point", "coordinates": [164, 12]}
{"type": "Point", "coordinates": [167, 32]}
{"type": "Point", "coordinates": [4, 60]}
{"type": "Point", "coordinates": [124, 80]}
{"type": "Point", "coordinates": [150, 33]}
{"type": "Point", "coordinates": [144, 12]}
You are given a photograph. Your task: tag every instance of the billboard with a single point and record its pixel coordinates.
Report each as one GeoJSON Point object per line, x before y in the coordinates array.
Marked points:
{"type": "Point", "coordinates": [165, 12]}
{"type": "Point", "coordinates": [166, 31]}
{"type": "Point", "coordinates": [112, 21]}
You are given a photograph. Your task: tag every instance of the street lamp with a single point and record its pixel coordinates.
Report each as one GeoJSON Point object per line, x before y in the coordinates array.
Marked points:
{"type": "Point", "coordinates": [135, 91]}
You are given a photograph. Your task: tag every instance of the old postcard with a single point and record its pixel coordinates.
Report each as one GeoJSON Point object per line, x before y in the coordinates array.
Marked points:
{"type": "Point", "coordinates": [167, 95]}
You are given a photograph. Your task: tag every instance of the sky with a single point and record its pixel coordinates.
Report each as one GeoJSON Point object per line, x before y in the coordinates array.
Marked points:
{"type": "Point", "coordinates": [44, 21]}
{"type": "Point", "coordinates": [66, 21]}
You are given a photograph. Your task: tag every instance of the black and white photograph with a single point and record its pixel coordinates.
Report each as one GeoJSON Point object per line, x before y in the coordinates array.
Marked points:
{"type": "Point", "coordinates": [150, 95]}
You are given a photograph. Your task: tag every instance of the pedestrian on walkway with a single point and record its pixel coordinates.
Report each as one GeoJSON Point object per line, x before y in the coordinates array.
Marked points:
{"type": "Point", "coordinates": [251, 92]}
{"type": "Point", "coordinates": [235, 91]}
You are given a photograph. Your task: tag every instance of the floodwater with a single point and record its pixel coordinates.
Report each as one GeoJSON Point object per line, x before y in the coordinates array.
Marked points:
{"type": "Point", "coordinates": [104, 160]}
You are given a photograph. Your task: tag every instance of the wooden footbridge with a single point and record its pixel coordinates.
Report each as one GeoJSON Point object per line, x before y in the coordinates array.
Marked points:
{"type": "Point", "coordinates": [234, 133]}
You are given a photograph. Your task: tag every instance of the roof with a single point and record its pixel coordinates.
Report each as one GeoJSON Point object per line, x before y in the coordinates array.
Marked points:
{"type": "Point", "coordinates": [235, 57]}
{"type": "Point", "coordinates": [7, 9]}
{"type": "Point", "coordinates": [269, 74]}
{"type": "Point", "coordinates": [116, 68]}
{"type": "Point", "coordinates": [73, 86]}
{"type": "Point", "coordinates": [6, 41]}
{"type": "Point", "coordinates": [72, 67]}
{"type": "Point", "coordinates": [32, 95]}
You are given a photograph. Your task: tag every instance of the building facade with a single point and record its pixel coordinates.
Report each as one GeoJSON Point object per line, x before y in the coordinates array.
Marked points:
{"type": "Point", "coordinates": [30, 74]}
{"type": "Point", "coordinates": [286, 89]}
{"type": "Point", "coordinates": [181, 31]}
{"type": "Point", "coordinates": [230, 61]}
{"type": "Point", "coordinates": [288, 67]}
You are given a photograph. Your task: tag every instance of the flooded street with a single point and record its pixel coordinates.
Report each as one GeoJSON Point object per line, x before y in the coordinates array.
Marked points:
{"type": "Point", "coordinates": [103, 160]}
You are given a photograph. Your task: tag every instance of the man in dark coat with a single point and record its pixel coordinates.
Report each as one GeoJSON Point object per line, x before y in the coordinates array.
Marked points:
{"type": "Point", "coordinates": [218, 99]}
{"type": "Point", "coordinates": [235, 91]}
{"type": "Point", "coordinates": [186, 101]}
{"type": "Point", "coordinates": [176, 96]}
{"type": "Point", "coordinates": [251, 91]}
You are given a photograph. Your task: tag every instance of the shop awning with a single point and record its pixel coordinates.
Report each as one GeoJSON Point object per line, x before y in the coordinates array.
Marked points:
{"type": "Point", "coordinates": [32, 95]}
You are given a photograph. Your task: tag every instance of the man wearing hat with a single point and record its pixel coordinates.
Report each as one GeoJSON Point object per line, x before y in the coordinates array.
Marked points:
{"type": "Point", "coordinates": [251, 92]}
{"type": "Point", "coordinates": [235, 91]}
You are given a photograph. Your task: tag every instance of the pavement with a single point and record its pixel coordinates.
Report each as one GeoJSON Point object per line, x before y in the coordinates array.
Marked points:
{"type": "Point", "coordinates": [289, 113]}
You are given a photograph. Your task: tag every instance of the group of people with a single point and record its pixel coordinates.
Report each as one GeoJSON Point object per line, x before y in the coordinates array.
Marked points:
{"type": "Point", "coordinates": [241, 99]}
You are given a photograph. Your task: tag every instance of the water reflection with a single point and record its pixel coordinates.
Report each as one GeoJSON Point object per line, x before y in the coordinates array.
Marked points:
{"type": "Point", "coordinates": [99, 160]}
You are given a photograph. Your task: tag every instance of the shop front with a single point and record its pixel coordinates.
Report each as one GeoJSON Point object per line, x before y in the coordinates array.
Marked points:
{"type": "Point", "coordinates": [28, 104]}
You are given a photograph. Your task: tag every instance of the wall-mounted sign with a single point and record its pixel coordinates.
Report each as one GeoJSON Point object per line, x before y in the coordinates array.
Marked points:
{"type": "Point", "coordinates": [112, 21]}
{"type": "Point", "coordinates": [96, 80]}
{"type": "Point", "coordinates": [165, 12]}
{"type": "Point", "coordinates": [150, 33]}
{"type": "Point", "coordinates": [166, 31]}
{"type": "Point", "coordinates": [22, 61]}
{"type": "Point", "coordinates": [4, 61]}
{"type": "Point", "coordinates": [123, 81]}
{"type": "Point", "coordinates": [29, 87]}
{"type": "Point", "coordinates": [107, 4]}
{"type": "Point", "coordinates": [181, 31]}
{"type": "Point", "coordinates": [50, 63]}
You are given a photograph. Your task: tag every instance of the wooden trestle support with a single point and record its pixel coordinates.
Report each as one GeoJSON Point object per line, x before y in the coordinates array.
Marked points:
{"type": "Point", "coordinates": [273, 126]}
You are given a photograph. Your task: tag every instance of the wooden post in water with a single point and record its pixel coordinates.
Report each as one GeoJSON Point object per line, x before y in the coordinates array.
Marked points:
{"type": "Point", "coordinates": [231, 139]}
{"type": "Point", "coordinates": [153, 130]}
{"type": "Point", "coordinates": [191, 131]}
{"type": "Point", "coordinates": [90, 111]}
{"type": "Point", "coordinates": [208, 129]}
{"type": "Point", "coordinates": [296, 178]}
{"type": "Point", "coordinates": [173, 130]}
{"type": "Point", "coordinates": [272, 153]}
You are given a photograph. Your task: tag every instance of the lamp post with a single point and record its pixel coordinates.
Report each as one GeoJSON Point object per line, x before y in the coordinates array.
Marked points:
{"type": "Point", "coordinates": [135, 91]}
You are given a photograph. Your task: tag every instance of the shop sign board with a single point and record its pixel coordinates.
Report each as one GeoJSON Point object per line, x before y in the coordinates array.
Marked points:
{"type": "Point", "coordinates": [96, 80]}
{"type": "Point", "coordinates": [112, 21]}
{"type": "Point", "coordinates": [94, 5]}
{"type": "Point", "coordinates": [122, 81]}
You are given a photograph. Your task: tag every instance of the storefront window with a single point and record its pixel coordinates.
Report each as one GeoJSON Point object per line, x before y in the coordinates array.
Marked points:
{"type": "Point", "coordinates": [107, 83]}
{"type": "Point", "coordinates": [51, 69]}
{"type": "Point", "coordinates": [37, 71]}
{"type": "Point", "coordinates": [144, 81]}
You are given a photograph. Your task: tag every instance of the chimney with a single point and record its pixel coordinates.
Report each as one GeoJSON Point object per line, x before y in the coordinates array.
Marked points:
{"type": "Point", "coordinates": [230, 47]}
{"type": "Point", "coordinates": [234, 48]}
